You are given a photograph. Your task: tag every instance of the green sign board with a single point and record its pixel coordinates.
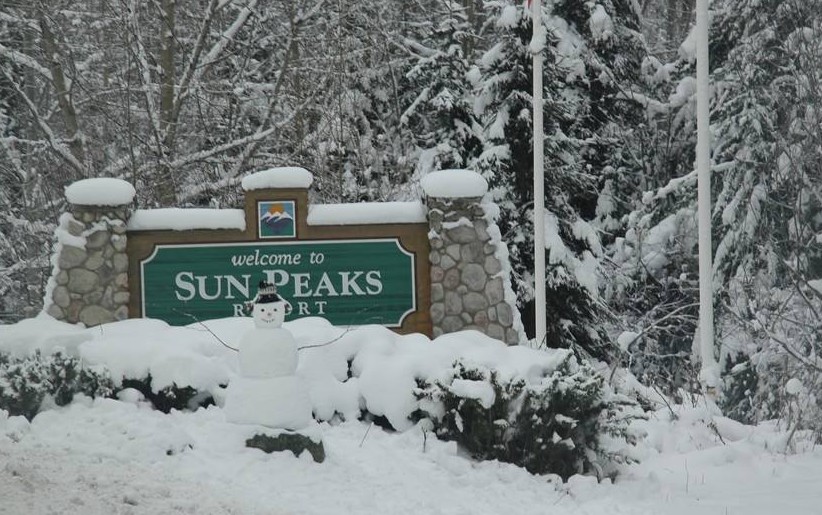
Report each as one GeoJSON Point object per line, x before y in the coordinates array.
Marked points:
{"type": "Point", "coordinates": [349, 282]}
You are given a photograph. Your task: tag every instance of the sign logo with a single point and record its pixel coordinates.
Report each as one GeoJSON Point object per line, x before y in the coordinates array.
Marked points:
{"type": "Point", "coordinates": [275, 219]}
{"type": "Point", "coordinates": [349, 282]}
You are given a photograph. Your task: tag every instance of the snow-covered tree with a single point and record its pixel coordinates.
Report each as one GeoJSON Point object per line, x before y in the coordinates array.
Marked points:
{"type": "Point", "coordinates": [765, 59]}
{"type": "Point", "coordinates": [665, 24]}
{"type": "Point", "coordinates": [593, 54]}
{"type": "Point", "coordinates": [768, 210]}
{"type": "Point", "coordinates": [354, 142]}
{"type": "Point", "coordinates": [441, 118]}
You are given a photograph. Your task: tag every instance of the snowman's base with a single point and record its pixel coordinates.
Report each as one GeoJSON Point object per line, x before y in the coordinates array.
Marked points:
{"type": "Point", "coordinates": [268, 401]}
{"type": "Point", "coordinates": [285, 440]}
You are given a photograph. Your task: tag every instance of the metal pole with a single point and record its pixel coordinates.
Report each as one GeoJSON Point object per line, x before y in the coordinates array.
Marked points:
{"type": "Point", "coordinates": [539, 174]}
{"type": "Point", "coordinates": [709, 373]}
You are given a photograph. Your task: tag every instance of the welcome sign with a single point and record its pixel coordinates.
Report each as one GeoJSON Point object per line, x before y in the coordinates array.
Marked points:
{"type": "Point", "coordinates": [349, 282]}
{"type": "Point", "coordinates": [374, 273]}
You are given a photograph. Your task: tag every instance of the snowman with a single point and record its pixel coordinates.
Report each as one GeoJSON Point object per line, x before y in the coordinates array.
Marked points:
{"type": "Point", "coordinates": [267, 392]}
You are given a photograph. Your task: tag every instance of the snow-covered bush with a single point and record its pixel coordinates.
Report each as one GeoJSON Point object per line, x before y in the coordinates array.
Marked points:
{"type": "Point", "coordinates": [552, 425]}
{"type": "Point", "coordinates": [168, 397]}
{"type": "Point", "coordinates": [26, 383]}
{"type": "Point", "coordinates": [505, 397]}
{"type": "Point", "coordinates": [654, 289]}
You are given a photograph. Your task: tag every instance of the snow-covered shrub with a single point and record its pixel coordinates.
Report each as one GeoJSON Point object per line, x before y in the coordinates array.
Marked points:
{"type": "Point", "coordinates": [367, 372]}
{"type": "Point", "coordinates": [169, 397]}
{"type": "Point", "coordinates": [553, 425]}
{"type": "Point", "coordinates": [26, 383]}
{"type": "Point", "coordinates": [772, 368]}
{"type": "Point", "coordinates": [655, 291]}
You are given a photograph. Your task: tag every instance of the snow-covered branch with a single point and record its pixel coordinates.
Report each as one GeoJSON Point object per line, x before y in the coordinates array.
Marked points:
{"type": "Point", "coordinates": [27, 61]}
{"type": "Point", "coordinates": [138, 50]}
{"type": "Point", "coordinates": [54, 142]}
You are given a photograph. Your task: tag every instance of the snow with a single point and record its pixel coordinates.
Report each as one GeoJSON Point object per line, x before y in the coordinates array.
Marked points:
{"type": "Point", "coordinates": [793, 386]}
{"type": "Point", "coordinates": [569, 48]}
{"type": "Point", "coordinates": [509, 17]}
{"type": "Point", "coordinates": [625, 339]}
{"type": "Point", "coordinates": [538, 40]}
{"type": "Point", "coordinates": [62, 238]}
{"type": "Point", "coordinates": [267, 392]}
{"type": "Point", "coordinates": [284, 177]}
{"type": "Point", "coordinates": [100, 192]}
{"type": "Point", "coordinates": [600, 23]}
{"type": "Point", "coordinates": [454, 184]}
{"type": "Point", "coordinates": [385, 366]}
{"type": "Point", "coordinates": [267, 353]}
{"type": "Point", "coordinates": [585, 270]}
{"type": "Point", "coordinates": [44, 334]}
{"type": "Point", "coordinates": [479, 390]}
{"type": "Point", "coordinates": [492, 213]}
{"type": "Point", "coordinates": [120, 456]}
{"type": "Point", "coordinates": [687, 50]}
{"type": "Point", "coordinates": [685, 91]}
{"type": "Point", "coordinates": [367, 213]}
{"type": "Point", "coordinates": [66, 238]}
{"type": "Point", "coordinates": [275, 402]}
{"type": "Point", "coordinates": [186, 219]}
{"type": "Point", "coordinates": [497, 129]}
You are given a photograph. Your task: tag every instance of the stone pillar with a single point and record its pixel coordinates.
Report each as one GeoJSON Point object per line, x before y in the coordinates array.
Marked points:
{"type": "Point", "coordinates": [89, 282]}
{"type": "Point", "coordinates": [470, 281]}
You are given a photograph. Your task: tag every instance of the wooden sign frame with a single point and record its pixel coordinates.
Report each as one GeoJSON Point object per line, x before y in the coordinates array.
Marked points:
{"type": "Point", "coordinates": [412, 237]}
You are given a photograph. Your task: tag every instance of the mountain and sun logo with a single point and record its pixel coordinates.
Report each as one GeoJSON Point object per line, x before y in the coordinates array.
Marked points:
{"type": "Point", "coordinates": [275, 219]}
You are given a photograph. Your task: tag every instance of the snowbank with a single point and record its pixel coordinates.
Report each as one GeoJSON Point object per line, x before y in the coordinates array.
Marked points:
{"type": "Point", "coordinates": [346, 369]}
{"type": "Point", "coordinates": [43, 334]}
{"type": "Point", "coordinates": [108, 456]}
{"type": "Point", "coordinates": [105, 456]}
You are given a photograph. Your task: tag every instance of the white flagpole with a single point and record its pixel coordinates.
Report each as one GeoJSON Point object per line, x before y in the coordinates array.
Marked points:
{"type": "Point", "coordinates": [709, 372]}
{"type": "Point", "coordinates": [537, 44]}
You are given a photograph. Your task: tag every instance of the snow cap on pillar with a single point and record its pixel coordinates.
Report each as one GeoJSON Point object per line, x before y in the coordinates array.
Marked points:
{"type": "Point", "coordinates": [454, 184]}
{"type": "Point", "coordinates": [103, 191]}
{"type": "Point", "coordinates": [284, 177]}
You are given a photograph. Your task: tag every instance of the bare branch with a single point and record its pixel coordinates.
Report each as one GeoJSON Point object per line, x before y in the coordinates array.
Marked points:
{"type": "Point", "coordinates": [59, 148]}
{"type": "Point", "coordinates": [139, 52]}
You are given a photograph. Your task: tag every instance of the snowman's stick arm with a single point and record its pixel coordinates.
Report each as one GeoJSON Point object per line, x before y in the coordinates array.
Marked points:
{"type": "Point", "coordinates": [190, 315]}
{"type": "Point", "coordinates": [348, 329]}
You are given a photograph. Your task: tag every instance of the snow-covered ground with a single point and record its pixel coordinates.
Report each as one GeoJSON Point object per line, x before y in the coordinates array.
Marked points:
{"type": "Point", "coordinates": [107, 456]}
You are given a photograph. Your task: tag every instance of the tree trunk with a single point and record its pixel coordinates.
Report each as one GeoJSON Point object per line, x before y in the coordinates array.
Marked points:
{"type": "Point", "coordinates": [51, 53]}
{"type": "Point", "coordinates": [166, 184]}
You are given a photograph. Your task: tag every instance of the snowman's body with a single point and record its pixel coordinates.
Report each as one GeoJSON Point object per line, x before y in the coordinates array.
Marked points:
{"type": "Point", "coordinates": [268, 353]}
{"type": "Point", "coordinates": [267, 391]}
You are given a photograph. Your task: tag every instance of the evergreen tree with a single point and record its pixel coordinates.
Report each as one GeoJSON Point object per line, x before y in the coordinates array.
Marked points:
{"type": "Point", "coordinates": [441, 118]}
{"type": "Point", "coordinates": [593, 54]}
{"type": "Point", "coordinates": [768, 211]}
{"type": "Point", "coordinates": [651, 216]}
{"type": "Point", "coordinates": [765, 67]}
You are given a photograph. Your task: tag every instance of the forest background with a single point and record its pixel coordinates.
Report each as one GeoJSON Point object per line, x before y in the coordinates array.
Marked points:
{"type": "Point", "coordinates": [184, 97]}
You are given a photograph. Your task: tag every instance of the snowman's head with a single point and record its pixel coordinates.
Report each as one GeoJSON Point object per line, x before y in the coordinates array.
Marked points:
{"type": "Point", "coordinates": [269, 314]}
{"type": "Point", "coordinates": [269, 308]}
